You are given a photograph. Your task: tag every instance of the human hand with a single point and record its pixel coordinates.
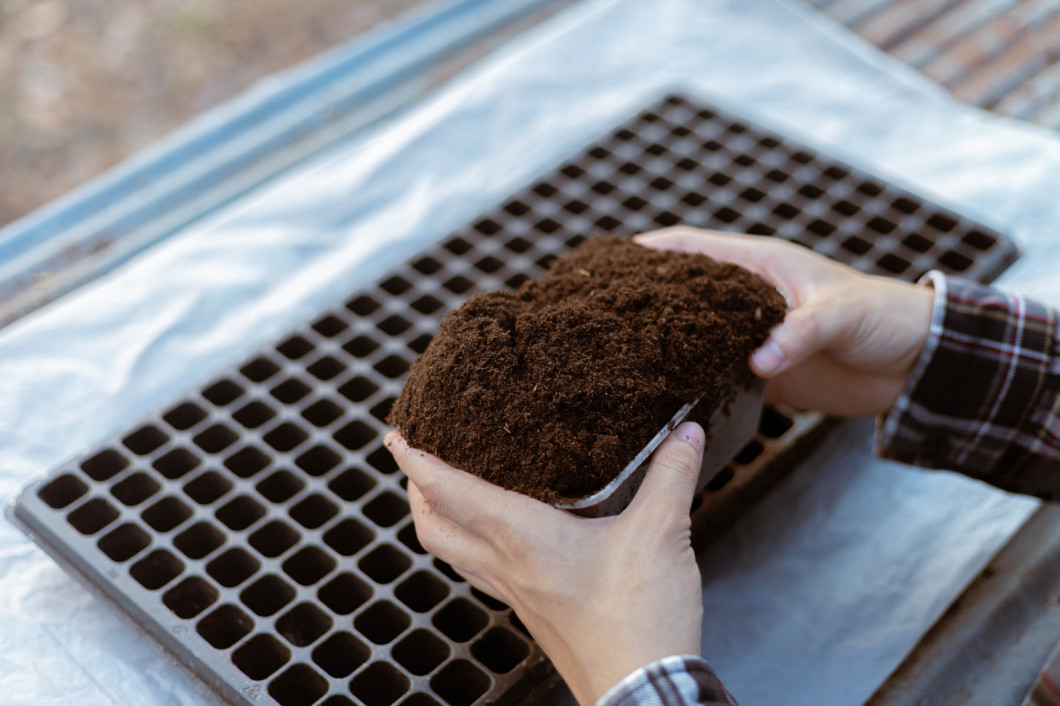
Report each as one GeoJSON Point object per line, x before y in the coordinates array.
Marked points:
{"type": "Point", "coordinates": [849, 341]}
{"type": "Point", "coordinates": [602, 596]}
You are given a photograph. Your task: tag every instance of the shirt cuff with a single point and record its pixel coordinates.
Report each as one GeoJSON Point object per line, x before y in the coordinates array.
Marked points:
{"type": "Point", "coordinates": [680, 680]}
{"type": "Point", "coordinates": [983, 395]}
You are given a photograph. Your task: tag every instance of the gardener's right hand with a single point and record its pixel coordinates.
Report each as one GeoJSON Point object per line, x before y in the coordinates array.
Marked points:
{"type": "Point", "coordinates": [849, 341]}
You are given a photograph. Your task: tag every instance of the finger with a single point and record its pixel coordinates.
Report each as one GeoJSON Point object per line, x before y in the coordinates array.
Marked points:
{"type": "Point", "coordinates": [467, 500]}
{"type": "Point", "coordinates": [805, 331]}
{"type": "Point", "coordinates": [673, 473]}
{"type": "Point", "coordinates": [447, 540]}
{"type": "Point", "coordinates": [756, 253]}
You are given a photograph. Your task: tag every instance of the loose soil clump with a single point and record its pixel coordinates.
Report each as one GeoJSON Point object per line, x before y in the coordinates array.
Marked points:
{"type": "Point", "coordinates": [552, 390]}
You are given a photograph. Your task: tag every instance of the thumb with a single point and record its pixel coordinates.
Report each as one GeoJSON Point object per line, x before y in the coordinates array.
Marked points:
{"type": "Point", "coordinates": [804, 331]}
{"type": "Point", "coordinates": [672, 474]}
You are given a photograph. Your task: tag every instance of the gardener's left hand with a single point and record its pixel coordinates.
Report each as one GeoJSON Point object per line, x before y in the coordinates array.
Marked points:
{"type": "Point", "coordinates": [602, 596]}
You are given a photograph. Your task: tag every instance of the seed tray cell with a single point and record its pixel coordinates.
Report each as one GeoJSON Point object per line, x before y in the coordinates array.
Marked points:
{"type": "Point", "coordinates": [258, 529]}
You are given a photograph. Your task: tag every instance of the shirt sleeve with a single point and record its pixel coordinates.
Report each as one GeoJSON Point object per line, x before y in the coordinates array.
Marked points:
{"type": "Point", "coordinates": [681, 680]}
{"type": "Point", "coordinates": [984, 395]}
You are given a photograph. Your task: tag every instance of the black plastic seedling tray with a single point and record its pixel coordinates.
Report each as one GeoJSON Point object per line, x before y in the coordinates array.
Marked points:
{"type": "Point", "coordinates": [258, 529]}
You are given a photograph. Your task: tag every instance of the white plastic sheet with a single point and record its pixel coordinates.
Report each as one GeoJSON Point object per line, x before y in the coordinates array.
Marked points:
{"type": "Point", "coordinates": [814, 597]}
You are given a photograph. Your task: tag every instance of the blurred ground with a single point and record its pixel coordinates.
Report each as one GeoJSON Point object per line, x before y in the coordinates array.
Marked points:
{"type": "Point", "coordinates": [86, 83]}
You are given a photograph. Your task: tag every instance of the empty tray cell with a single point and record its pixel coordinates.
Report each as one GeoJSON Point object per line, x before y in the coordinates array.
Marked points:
{"type": "Point", "coordinates": [215, 438]}
{"type": "Point", "coordinates": [384, 563]}
{"type": "Point", "coordinates": [420, 698]}
{"type": "Point", "coordinates": [207, 487]}
{"type": "Point", "coordinates": [719, 481]}
{"type": "Point", "coordinates": [917, 242]}
{"type": "Point", "coordinates": [394, 325]}
{"type": "Point", "coordinates": [340, 654]}
{"type": "Point", "coordinates": [386, 509]}
{"type": "Point", "coordinates": [290, 391]}
{"type": "Point", "coordinates": [156, 569]}
{"type": "Point", "coordinates": [421, 591]}
{"type": "Point", "coordinates": [955, 261]}
{"type": "Point", "coordinates": [259, 370]}
{"type": "Point", "coordinates": [337, 700]}
{"type": "Point", "coordinates": [460, 683]}
{"type": "Point", "coordinates": [500, 650]}
{"type": "Point", "coordinates": [199, 540]}
{"type": "Point", "coordinates": [427, 304]}
{"type": "Point", "coordinates": [358, 389]}
{"type": "Point", "coordinates": [285, 437]}
{"type": "Point", "coordinates": [326, 368]}
{"type": "Point", "coordinates": [846, 208]}
{"type": "Point", "coordinates": [773, 423]}
{"type": "Point", "coordinates": [749, 453]}
{"type": "Point", "coordinates": [232, 567]}
{"type": "Point", "coordinates": [105, 464]}
{"type": "Point", "coordinates": [318, 460]}
{"type": "Point", "coordinates": [393, 366]}
{"type": "Point", "coordinates": [329, 326]}
{"type": "Point", "coordinates": [253, 414]}
{"type": "Point", "coordinates": [260, 656]}
{"type": "Point", "coordinates": [381, 622]}
{"type": "Point", "coordinates": [134, 489]}
{"type": "Point", "coordinates": [399, 285]}
{"type": "Point", "coordinates": [167, 513]}
{"type": "Point", "coordinates": [62, 491]}
{"type": "Point", "coordinates": [142, 442]}
{"type": "Point", "coordinates": [362, 305]}
{"type": "Point", "coordinates": [222, 392]}
{"type": "Point", "coordinates": [184, 416]}
{"type": "Point", "coordinates": [240, 512]}
{"type": "Point", "coordinates": [382, 408]}
{"type": "Point", "coordinates": [379, 684]}
{"type": "Point", "coordinates": [280, 486]}
{"type": "Point", "coordinates": [308, 565]}
{"type": "Point", "coordinates": [190, 597]}
{"type": "Point", "coordinates": [351, 484]}
{"type": "Point", "coordinates": [225, 626]}
{"type": "Point", "coordinates": [267, 595]}
{"type": "Point", "coordinates": [420, 652]}
{"type": "Point", "coordinates": [124, 543]}
{"type": "Point", "coordinates": [856, 245]}
{"type": "Point", "coordinates": [360, 346]}
{"type": "Point", "coordinates": [419, 344]}
{"type": "Point", "coordinates": [344, 594]}
{"type": "Point", "coordinates": [92, 516]}
{"type": "Point", "coordinates": [300, 685]}
{"type": "Point", "coordinates": [303, 624]}
{"type": "Point", "coordinates": [979, 240]}
{"type": "Point", "coordinates": [273, 539]}
{"type": "Point", "coordinates": [176, 463]}
{"type": "Point", "coordinates": [382, 460]}
{"type": "Point", "coordinates": [313, 511]}
{"type": "Point", "coordinates": [322, 413]}
{"type": "Point", "coordinates": [348, 537]}
{"type": "Point", "coordinates": [247, 461]}
{"type": "Point", "coordinates": [894, 264]}
{"type": "Point", "coordinates": [355, 435]}
{"type": "Point", "coordinates": [460, 619]}
{"type": "Point", "coordinates": [942, 223]}
{"type": "Point", "coordinates": [295, 347]}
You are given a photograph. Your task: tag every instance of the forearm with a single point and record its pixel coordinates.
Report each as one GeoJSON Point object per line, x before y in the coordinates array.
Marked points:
{"type": "Point", "coordinates": [984, 396]}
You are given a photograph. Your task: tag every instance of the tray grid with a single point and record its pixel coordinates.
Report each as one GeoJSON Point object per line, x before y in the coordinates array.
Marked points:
{"type": "Point", "coordinates": [257, 527]}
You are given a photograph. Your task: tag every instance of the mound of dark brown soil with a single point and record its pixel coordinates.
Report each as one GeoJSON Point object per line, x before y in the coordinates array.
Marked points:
{"type": "Point", "coordinates": [552, 389]}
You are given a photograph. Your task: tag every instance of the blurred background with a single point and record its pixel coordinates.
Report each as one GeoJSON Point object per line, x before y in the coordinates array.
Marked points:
{"type": "Point", "coordinates": [87, 83]}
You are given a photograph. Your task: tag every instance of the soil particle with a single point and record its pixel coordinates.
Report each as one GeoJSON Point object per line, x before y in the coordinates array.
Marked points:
{"type": "Point", "coordinates": [552, 389]}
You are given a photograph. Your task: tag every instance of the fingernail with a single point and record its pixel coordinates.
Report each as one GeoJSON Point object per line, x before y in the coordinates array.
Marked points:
{"type": "Point", "coordinates": [768, 358]}
{"type": "Point", "coordinates": [693, 434]}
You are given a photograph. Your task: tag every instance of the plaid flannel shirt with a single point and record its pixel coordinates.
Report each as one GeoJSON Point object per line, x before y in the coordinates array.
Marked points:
{"type": "Point", "coordinates": [984, 400]}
